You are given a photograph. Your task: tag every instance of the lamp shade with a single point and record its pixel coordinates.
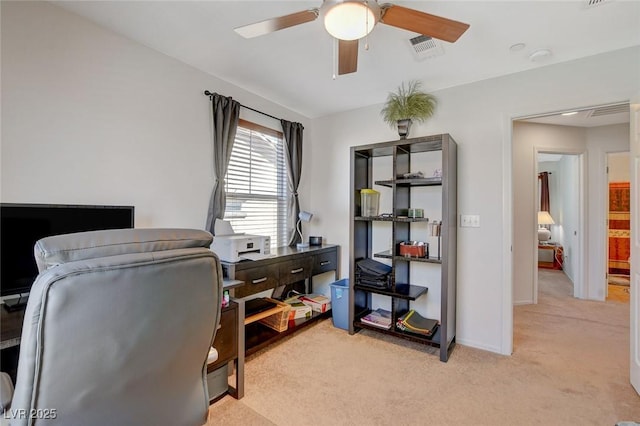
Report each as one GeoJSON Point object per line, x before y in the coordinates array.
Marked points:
{"type": "Point", "coordinates": [305, 216]}
{"type": "Point", "coordinates": [349, 20]}
{"type": "Point", "coordinates": [544, 218]}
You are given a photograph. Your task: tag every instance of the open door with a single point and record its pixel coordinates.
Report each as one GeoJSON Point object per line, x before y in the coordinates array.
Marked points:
{"type": "Point", "coordinates": [635, 242]}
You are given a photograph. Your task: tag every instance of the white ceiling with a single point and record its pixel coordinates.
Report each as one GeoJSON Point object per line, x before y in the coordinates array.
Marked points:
{"type": "Point", "coordinates": [293, 67]}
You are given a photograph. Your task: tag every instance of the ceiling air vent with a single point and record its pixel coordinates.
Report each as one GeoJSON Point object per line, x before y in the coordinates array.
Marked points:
{"type": "Point", "coordinates": [609, 109]}
{"type": "Point", "coordinates": [593, 3]}
{"type": "Point", "coordinates": [424, 47]}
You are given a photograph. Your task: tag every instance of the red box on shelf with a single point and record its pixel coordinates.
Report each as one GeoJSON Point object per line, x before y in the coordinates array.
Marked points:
{"type": "Point", "coordinates": [414, 249]}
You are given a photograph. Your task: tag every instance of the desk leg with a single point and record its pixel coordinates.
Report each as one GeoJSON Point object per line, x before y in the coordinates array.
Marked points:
{"type": "Point", "coordinates": [238, 392]}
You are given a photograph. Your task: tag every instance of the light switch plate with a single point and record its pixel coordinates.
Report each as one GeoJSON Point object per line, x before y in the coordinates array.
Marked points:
{"type": "Point", "coordinates": [469, 221]}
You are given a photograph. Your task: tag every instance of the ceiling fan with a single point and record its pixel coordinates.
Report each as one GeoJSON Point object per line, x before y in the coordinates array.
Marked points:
{"type": "Point", "coordinates": [350, 20]}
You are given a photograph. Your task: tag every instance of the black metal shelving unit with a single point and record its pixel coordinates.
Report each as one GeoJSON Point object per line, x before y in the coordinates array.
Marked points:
{"type": "Point", "coordinates": [402, 292]}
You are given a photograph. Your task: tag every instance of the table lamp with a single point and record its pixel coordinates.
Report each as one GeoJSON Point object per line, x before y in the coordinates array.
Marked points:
{"type": "Point", "coordinates": [544, 218]}
{"type": "Point", "coordinates": [302, 217]}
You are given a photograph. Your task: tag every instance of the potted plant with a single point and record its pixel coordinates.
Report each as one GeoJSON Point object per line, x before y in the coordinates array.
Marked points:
{"type": "Point", "coordinates": [409, 103]}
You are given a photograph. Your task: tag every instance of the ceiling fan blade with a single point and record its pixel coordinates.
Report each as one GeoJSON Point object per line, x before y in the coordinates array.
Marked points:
{"type": "Point", "coordinates": [274, 24]}
{"type": "Point", "coordinates": [347, 56]}
{"type": "Point", "coordinates": [423, 23]}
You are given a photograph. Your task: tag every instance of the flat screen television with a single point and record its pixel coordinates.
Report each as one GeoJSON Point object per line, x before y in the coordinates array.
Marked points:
{"type": "Point", "coordinates": [21, 225]}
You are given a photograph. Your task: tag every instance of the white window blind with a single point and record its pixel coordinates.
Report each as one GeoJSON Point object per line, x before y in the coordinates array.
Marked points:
{"type": "Point", "coordinates": [256, 183]}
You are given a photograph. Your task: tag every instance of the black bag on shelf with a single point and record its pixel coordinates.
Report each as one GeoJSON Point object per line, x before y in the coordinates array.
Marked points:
{"type": "Point", "coordinates": [373, 273]}
{"type": "Point", "coordinates": [377, 283]}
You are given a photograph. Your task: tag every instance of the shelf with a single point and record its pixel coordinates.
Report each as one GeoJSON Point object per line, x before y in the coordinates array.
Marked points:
{"type": "Point", "coordinates": [388, 255]}
{"type": "Point", "coordinates": [259, 336]}
{"type": "Point", "coordinates": [403, 291]}
{"type": "Point", "coordinates": [410, 145]}
{"type": "Point", "coordinates": [432, 181]}
{"type": "Point", "coordinates": [438, 194]}
{"type": "Point", "coordinates": [393, 331]}
{"type": "Point", "coordinates": [263, 314]}
{"type": "Point", "coordinates": [391, 219]}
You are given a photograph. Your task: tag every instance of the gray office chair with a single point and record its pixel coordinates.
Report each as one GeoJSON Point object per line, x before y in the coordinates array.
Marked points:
{"type": "Point", "coordinates": [118, 328]}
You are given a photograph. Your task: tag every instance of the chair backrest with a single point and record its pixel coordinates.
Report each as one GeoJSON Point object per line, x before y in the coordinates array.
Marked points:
{"type": "Point", "coordinates": [118, 327]}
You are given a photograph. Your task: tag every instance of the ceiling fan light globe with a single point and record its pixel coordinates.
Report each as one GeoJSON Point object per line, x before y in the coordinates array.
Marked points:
{"type": "Point", "coordinates": [349, 20]}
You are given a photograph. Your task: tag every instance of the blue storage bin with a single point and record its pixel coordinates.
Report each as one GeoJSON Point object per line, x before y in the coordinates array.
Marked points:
{"type": "Point", "coordinates": [340, 304]}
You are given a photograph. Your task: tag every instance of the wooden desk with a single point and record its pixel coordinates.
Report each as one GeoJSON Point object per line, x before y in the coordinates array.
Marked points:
{"type": "Point", "coordinates": [11, 325]}
{"type": "Point", "coordinates": [287, 266]}
{"type": "Point", "coordinates": [229, 343]}
{"type": "Point", "coordinates": [550, 256]}
{"type": "Point", "coordinates": [11, 328]}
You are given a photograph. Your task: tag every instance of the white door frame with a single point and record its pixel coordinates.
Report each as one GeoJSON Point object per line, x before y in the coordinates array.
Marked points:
{"type": "Point", "coordinates": [634, 329]}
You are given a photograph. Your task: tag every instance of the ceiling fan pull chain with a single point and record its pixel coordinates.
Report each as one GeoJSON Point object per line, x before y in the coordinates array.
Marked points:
{"type": "Point", "coordinates": [366, 23]}
{"type": "Point", "coordinates": [335, 56]}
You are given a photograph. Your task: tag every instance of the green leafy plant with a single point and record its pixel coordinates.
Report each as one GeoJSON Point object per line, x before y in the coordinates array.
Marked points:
{"type": "Point", "coordinates": [409, 102]}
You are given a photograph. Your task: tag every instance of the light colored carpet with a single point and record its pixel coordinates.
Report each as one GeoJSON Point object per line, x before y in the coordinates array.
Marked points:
{"type": "Point", "coordinates": [570, 366]}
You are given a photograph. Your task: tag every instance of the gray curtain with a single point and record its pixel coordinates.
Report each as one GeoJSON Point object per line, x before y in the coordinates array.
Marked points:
{"type": "Point", "coordinates": [226, 113]}
{"type": "Point", "coordinates": [544, 191]}
{"type": "Point", "coordinates": [293, 159]}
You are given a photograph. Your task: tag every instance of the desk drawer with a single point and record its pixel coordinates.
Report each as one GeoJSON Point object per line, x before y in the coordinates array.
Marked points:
{"type": "Point", "coordinates": [324, 262]}
{"type": "Point", "coordinates": [256, 280]}
{"type": "Point", "coordinates": [295, 270]}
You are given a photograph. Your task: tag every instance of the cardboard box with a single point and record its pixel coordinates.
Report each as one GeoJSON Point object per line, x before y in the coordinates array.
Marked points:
{"type": "Point", "coordinates": [299, 310]}
{"type": "Point", "coordinates": [317, 302]}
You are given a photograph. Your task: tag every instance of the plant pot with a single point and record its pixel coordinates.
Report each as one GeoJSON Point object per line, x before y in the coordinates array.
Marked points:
{"type": "Point", "coordinates": [403, 128]}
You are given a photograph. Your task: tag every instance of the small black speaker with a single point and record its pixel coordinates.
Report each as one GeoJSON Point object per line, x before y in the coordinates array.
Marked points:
{"type": "Point", "coordinates": [315, 241]}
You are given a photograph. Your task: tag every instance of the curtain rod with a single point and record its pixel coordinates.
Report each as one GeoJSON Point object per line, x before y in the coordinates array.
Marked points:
{"type": "Point", "coordinates": [208, 93]}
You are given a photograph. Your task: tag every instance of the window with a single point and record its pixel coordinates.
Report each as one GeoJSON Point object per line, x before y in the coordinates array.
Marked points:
{"type": "Point", "coordinates": [256, 183]}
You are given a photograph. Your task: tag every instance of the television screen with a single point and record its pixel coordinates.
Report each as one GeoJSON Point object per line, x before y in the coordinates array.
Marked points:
{"type": "Point", "coordinates": [24, 224]}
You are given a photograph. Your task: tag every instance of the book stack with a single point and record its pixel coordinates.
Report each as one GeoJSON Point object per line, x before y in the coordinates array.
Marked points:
{"type": "Point", "coordinates": [415, 323]}
{"type": "Point", "coordinates": [378, 318]}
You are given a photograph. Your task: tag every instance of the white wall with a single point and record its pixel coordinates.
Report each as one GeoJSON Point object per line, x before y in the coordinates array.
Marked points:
{"type": "Point", "coordinates": [619, 167]}
{"type": "Point", "coordinates": [90, 117]}
{"type": "Point", "coordinates": [569, 216]}
{"type": "Point", "coordinates": [478, 116]}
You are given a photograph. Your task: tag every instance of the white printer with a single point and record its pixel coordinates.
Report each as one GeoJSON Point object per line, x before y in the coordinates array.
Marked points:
{"type": "Point", "coordinates": [231, 247]}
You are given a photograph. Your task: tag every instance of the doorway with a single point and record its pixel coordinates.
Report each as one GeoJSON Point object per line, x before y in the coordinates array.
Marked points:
{"type": "Point", "coordinates": [559, 243]}
{"type": "Point", "coordinates": [618, 233]}
{"type": "Point", "coordinates": [588, 133]}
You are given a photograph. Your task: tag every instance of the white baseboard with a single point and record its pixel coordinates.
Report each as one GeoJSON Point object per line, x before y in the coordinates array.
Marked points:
{"type": "Point", "coordinates": [477, 345]}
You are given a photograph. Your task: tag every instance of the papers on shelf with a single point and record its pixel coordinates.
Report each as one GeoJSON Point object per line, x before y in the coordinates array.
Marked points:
{"type": "Point", "coordinates": [223, 227]}
{"type": "Point", "coordinates": [378, 318]}
{"type": "Point", "coordinates": [413, 322]}
{"type": "Point", "coordinates": [255, 256]}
